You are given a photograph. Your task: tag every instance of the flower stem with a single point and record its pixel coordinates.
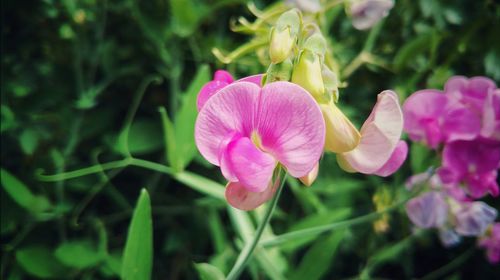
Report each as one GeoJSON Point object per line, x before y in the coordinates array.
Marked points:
{"type": "Point", "coordinates": [249, 248]}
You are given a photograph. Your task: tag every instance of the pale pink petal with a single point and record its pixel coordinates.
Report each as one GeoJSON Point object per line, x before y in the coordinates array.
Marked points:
{"type": "Point", "coordinates": [255, 79]}
{"type": "Point", "coordinates": [207, 91]}
{"type": "Point", "coordinates": [223, 76]}
{"type": "Point", "coordinates": [422, 111]}
{"type": "Point", "coordinates": [379, 135]}
{"type": "Point", "coordinates": [253, 168]}
{"type": "Point", "coordinates": [229, 111]}
{"type": "Point", "coordinates": [291, 127]}
{"type": "Point", "coordinates": [395, 161]}
{"type": "Point", "coordinates": [239, 197]}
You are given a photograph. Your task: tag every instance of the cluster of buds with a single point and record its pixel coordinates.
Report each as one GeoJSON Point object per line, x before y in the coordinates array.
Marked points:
{"type": "Point", "coordinates": [297, 52]}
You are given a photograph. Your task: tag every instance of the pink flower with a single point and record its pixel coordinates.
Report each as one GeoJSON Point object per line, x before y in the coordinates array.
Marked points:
{"type": "Point", "coordinates": [221, 79]}
{"type": "Point", "coordinates": [380, 150]}
{"type": "Point", "coordinates": [491, 242]}
{"type": "Point", "coordinates": [430, 116]}
{"type": "Point", "coordinates": [248, 130]}
{"type": "Point", "coordinates": [473, 163]}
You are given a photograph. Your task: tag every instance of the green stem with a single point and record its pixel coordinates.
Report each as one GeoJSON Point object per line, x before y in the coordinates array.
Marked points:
{"type": "Point", "coordinates": [249, 248]}
{"type": "Point", "coordinates": [314, 231]}
{"type": "Point", "coordinates": [444, 270]}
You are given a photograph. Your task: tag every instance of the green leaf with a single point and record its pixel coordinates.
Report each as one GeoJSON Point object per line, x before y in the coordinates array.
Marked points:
{"type": "Point", "coordinates": [186, 118]}
{"type": "Point", "coordinates": [421, 158]}
{"type": "Point", "coordinates": [22, 195]}
{"type": "Point", "coordinates": [319, 257]}
{"type": "Point", "coordinates": [208, 272]}
{"type": "Point", "coordinates": [185, 21]}
{"type": "Point", "coordinates": [40, 262]}
{"type": "Point", "coordinates": [79, 254]}
{"type": "Point", "coordinates": [138, 254]}
{"type": "Point", "coordinates": [169, 138]}
{"type": "Point", "coordinates": [28, 141]}
{"type": "Point", "coordinates": [144, 137]}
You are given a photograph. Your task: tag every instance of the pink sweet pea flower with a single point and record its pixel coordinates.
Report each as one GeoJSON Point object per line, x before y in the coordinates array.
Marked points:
{"type": "Point", "coordinates": [221, 79]}
{"type": "Point", "coordinates": [430, 116]}
{"type": "Point", "coordinates": [380, 150]}
{"type": "Point", "coordinates": [470, 92]}
{"type": "Point", "coordinates": [491, 116]}
{"type": "Point", "coordinates": [473, 163]}
{"type": "Point", "coordinates": [248, 130]}
{"type": "Point", "coordinates": [491, 242]}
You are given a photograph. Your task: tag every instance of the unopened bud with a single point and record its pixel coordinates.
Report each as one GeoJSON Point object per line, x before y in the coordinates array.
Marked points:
{"type": "Point", "coordinates": [307, 74]}
{"type": "Point", "coordinates": [341, 135]}
{"type": "Point", "coordinates": [282, 43]}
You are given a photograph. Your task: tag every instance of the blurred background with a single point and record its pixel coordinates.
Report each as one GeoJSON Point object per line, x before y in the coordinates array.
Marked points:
{"type": "Point", "coordinates": [77, 75]}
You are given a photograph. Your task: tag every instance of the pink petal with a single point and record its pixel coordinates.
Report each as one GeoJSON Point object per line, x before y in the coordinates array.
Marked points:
{"type": "Point", "coordinates": [395, 161]}
{"type": "Point", "coordinates": [207, 91]}
{"type": "Point", "coordinates": [229, 111]}
{"type": "Point", "coordinates": [470, 92]}
{"type": "Point", "coordinates": [460, 124]}
{"type": "Point", "coordinates": [253, 168]}
{"type": "Point", "coordinates": [291, 127]}
{"type": "Point", "coordinates": [379, 135]}
{"type": "Point", "coordinates": [223, 76]}
{"type": "Point", "coordinates": [491, 116]}
{"type": "Point", "coordinates": [427, 210]}
{"type": "Point", "coordinates": [422, 111]}
{"type": "Point", "coordinates": [239, 197]}
{"type": "Point", "coordinates": [225, 165]}
{"type": "Point", "coordinates": [255, 79]}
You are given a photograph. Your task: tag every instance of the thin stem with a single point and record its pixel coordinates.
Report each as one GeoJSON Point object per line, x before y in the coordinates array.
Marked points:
{"type": "Point", "coordinates": [314, 231]}
{"type": "Point", "coordinates": [446, 269]}
{"type": "Point", "coordinates": [249, 248]}
{"type": "Point", "coordinates": [84, 171]}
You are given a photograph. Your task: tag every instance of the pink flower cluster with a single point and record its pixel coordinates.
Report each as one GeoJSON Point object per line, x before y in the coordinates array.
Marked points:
{"type": "Point", "coordinates": [463, 122]}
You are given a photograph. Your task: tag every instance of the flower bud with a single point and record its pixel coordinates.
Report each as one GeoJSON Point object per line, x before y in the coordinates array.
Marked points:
{"type": "Point", "coordinates": [307, 74]}
{"type": "Point", "coordinates": [280, 71]}
{"type": "Point", "coordinates": [284, 35]}
{"type": "Point", "coordinates": [282, 43]}
{"type": "Point", "coordinates": [341, 135]}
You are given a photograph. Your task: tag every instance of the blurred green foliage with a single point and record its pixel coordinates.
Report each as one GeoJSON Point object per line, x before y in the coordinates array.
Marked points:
{"type": "Point", "coordinates": [94, 82]}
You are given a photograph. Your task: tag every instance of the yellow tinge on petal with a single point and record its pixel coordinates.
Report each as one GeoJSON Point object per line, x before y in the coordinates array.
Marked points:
{"type": "Point", "coordinates": [309, 179]}
{"type": "Point", "coordinates": [307, 74]}
{"type": "Point", "coordinates": [341, 135]}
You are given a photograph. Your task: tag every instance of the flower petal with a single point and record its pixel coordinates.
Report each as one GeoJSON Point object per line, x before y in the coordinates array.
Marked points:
{"type": "Point", "coordinates": [491, 116]}
{"type": "Point", "coordinates": [223, 76]}
{"type": "Point", "coordinates": [207, 91]}
{"type": "Point", "coordinates": [427, 210]}
{"type": "Point", "coordinates": [253, 168]}
{"type": "Point", "coordinates": [229, 111]}
{"type": "Point", "coordinates": [395, 161]}
{"type": "Point", "coordinates": [460, 123]}
{"type": "Point", "coordinates": [291, 127]}
{"type": "Point", "coordinates": [309, 179]}
{"type": "Point", "coordinates": [239, 197]}
{"type": "Point", "coordinates": [254, 79]}
{"type": "Point", "coordinates": [341, 135]}
{"type": "Point", "coordinates": [379, 135]}
{"type": "Point", "coordinates": [422, 111]}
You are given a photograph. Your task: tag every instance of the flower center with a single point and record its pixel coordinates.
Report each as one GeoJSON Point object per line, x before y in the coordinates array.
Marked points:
{"type": "Point", "coordinates": [256, 140]}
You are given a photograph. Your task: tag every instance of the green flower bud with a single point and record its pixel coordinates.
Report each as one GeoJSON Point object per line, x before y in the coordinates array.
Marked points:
{"type": "Point", "coordinates": [307, 74]}
{"type": "Point", "coordinates": [282, 43]}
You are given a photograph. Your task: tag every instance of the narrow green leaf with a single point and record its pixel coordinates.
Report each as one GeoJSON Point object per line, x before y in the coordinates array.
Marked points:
{"type": "Point", "coordinates": [208, 272]}
{"type": "Point", "coordinates": [319, 257]}
{"type": "Point", "coordinates": [201, 184]}
{"type": "Point", "coordinates": [186, 118]}
{"type": "Point", "coordinates": [28, 141]}
{"type": "Point", "coordinates": [40, 262]}
{"type": "Point", "coordinates": [79, 254]}
{"type": "Point", "coordinates": [169, 139]}
{"type": "Point", "coordinates": [138, 254]}
{"type": "Point", "coordinates": [144, 137]}
{"type": "Point", "coordinates": [22, 195]}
